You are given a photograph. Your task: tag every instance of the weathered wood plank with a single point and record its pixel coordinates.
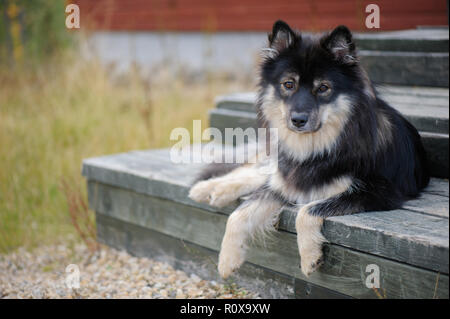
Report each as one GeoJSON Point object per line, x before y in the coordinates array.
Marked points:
{"type": "Point", "coordinates": [438, 187]}
{"type": "Point", "coordinates": [415, 40]}
{"type": "Point", "coordinates": [132, 171]}
{"type": "Point", "coordinates": [417, 91]}
{"type": "Point", "coordinates": [400, 235]}
{"type": "Point", "coordinates": [307, 290]}
{"type": "Point", "coordinates": [430, 204]}
{"type": "Point", "coordinates": [241, 101]}
{"type": "Point", "coordinates": [406, 68]}
{"type": "Point", "coordinates": [343, 270]}
{"type": "Point", "coordinates": [137, 169]}
{"type": "Point", "coordinates": [411, 104]}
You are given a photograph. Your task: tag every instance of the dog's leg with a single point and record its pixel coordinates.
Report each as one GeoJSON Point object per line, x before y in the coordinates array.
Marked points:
{"type": "Point", "coordinates": [256, 215]}
{"type": "Point", "coordinates": [223, 190]}
{"type": "Point", "coordinates": [309, 239]}
{"type": "Point", "coordinates": [358, 197]}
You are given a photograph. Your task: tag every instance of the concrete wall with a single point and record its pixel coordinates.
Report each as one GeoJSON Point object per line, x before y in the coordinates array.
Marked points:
{"type": "Point", "coordinates": [232, 52]}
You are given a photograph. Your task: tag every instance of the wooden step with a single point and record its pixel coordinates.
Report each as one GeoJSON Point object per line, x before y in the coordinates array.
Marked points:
{"type": "Point", "coordinates": [415, 40]}
{"type": "Point", "coordinates": [406, 68]}
{"type": "Point", "coordinates": [409, 57]}
{"type": "Point", "coordinates": [426, 108]}
{"type": "Point", "coordinates": [141, 203]}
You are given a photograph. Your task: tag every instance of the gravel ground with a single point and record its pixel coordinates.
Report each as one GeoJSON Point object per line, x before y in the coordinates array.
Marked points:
{"type": "Point", "coordinates": [107, 273]}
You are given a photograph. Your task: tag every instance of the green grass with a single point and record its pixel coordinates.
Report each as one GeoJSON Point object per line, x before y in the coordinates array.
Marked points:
{"type": "Point", "coordinates": [32, 30]}
{"type": "Point", "coordinates": [57, 113]}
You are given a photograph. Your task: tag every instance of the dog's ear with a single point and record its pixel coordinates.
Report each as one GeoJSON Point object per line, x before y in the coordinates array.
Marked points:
{"type": "Point", "coordinates": [340, 44]}
{"type": "Point", "coordinates": [281, 37]}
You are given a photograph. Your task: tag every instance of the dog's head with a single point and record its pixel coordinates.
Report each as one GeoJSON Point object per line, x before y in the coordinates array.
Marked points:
{"type": "Point", "coordinates": [310, 79]}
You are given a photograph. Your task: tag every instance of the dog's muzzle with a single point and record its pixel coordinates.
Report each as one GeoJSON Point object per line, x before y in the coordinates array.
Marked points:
{"type": "Point", "coordinates": [304, 122]}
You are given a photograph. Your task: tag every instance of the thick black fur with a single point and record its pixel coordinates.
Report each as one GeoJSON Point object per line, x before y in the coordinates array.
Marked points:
{"type": "Point", "coordinates": [385, 172]}
{"type": "Point", "coordinates": [383, 179]}
{"type": "Point", "coordinates": [384, 175]}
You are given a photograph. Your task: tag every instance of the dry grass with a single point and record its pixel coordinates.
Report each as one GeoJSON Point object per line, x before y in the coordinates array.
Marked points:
{"type": "Point", "coordinates": [81, 218]}
{"type": "Point", "coordinates": [53, 116]}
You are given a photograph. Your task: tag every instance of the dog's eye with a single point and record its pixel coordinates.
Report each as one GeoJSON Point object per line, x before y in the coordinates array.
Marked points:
{"type": "Point", "coordinates": [323, 88]}
{"type": "Point", "coordinates": [288, 85]}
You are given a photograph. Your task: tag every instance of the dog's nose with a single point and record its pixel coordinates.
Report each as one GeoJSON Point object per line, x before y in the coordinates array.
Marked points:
{"type": "Point", "coordinates": [299, 119]}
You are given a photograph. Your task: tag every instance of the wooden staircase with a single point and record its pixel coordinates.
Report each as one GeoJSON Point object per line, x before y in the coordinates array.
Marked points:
{"type": "Point", "coordinates": [141, 204]}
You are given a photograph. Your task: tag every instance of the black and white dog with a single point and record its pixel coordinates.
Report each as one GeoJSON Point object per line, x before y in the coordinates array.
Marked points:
{"type": "Point", "coordinates": [341, 149]}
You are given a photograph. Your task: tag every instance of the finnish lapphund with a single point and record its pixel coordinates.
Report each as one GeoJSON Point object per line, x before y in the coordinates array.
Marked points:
{"type": "Point", "coordinates": [341, 149]}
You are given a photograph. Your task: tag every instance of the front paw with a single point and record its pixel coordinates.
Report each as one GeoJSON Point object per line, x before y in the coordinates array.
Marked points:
{"type": "Point", "coordinates": [201, 192]}
{"type": "Point", "coordinates": [222, 195]}
{"type": "Point", "coordinates": [230, 260]}
{"type": "Point", "coordinates": [311, 259]}
{"type": "Point", "coordinates": [214, 193]}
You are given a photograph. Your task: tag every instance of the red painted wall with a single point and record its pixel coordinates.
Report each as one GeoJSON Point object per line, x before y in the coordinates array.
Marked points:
{"type": "Point", "coordinates": [255, 15]}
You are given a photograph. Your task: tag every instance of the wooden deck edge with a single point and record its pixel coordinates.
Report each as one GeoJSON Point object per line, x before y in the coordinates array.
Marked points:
{"type": "Point", "coordinates": [370, 240]}
{"type": "Point", "coordinates": [406, 68]}
{"type": "Point", "coordinates": [343, 272]}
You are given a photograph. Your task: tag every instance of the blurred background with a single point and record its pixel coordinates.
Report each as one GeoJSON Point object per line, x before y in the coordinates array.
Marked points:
{"type": "Point", "coordinates": [132, 72]}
